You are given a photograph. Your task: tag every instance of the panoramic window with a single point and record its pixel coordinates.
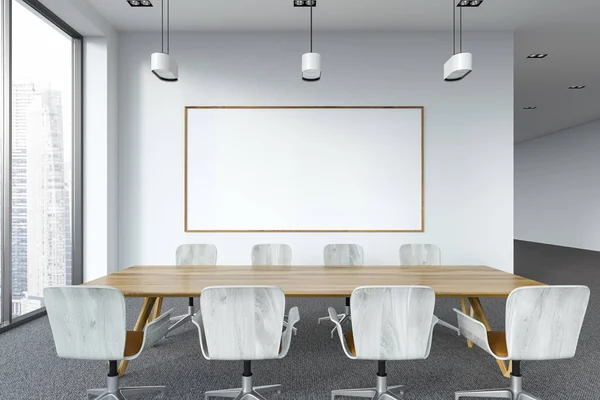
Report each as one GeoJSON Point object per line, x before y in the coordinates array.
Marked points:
{"type": "Point", "coordinates": [41, 162]}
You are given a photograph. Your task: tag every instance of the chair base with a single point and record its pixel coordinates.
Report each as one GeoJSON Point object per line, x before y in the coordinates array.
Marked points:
{"type": "Point", "coordinates": [285, 324]}
{"type": "Point", "coordinates": [381, 392]}
{"type": "Point", "coordinates": [514, 392]}
{"type": "Point", "coordinates": [344, 318]}
{"type": "Point", "coordinates": [114, 392]}
{"type": "Point", "coordinates": [246, 392]}
{"type": "Point", "coordinates": [179, 320]}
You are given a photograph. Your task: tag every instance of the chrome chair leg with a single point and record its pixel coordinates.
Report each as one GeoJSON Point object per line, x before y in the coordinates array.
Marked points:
{"type": "Point", "coordinates": [96, 392]}
{"type": "Point", "coordinates": [294, 329]}
{"type": "Point", "coordinates": [182, 319]}
{"type": "Point", "coordinates": [111, 396]}
{"type": "Point", "coordinates": [142, 390]}
{"type": "Point", "coordinates": [514, 392]}
{"type": "Point", "coordinates": [381, 392]}
{"type": "Point", "coordinates": [121, 393]}
{"type": "Point", "coordinates": [400, 389]}
{"type": "Point", "coordinates": [387, 396]}
{"type": "Point", "coordinates": [345, 319]}
{"type": "Point", "coordinates": [488, 393]}
{"type": "Point", "coordinates": [247, 391]}
{"type": "Point", "coordinates": [268, 389]}
{"type": "Point", "coordinates": [340, 316]}
{"type": "Point", "coordinates": [365, 393]}
{"type": "Point", "coordinates": [250, 396]}
{"type": "Point", "coordinates": [113, 391]}
{"type": "Point", "coordinates": [227, 393]}
{"type": "Point", "coordinates": [527, 396]}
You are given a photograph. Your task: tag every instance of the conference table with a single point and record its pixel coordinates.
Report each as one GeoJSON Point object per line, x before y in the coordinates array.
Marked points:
{"type": "Point", "coordinates": [464, 282]}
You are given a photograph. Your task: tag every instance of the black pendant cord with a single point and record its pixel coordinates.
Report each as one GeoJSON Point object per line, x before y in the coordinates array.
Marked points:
{"type": "Point", "coordinates": [461, 29]}
{"type": "Point", "coordinates": [162, 26]}
{"type": "Point", "coordinates": [168, 26]}
{"type": "Point", "coordinates": [311, 29]}
{"type": "Point", "coordinates": [453, 28]}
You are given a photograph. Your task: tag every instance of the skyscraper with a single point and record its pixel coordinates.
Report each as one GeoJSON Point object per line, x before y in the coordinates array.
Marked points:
{"type": "Point", "coordinates": [23, 94]}
{"type": "Point", "coordinates": [47, 207]}
{"type": "Point", "coordinates": [41, 216]}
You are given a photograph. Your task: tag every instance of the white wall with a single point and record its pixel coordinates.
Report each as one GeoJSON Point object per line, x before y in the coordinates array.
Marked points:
{"type": "Point", "coordinates": [557, 188]}
{"type": "Point", "coordinates": [100, 141]}
{"type": "Point", "coordinates": [101, 157]}
{"type": "Point", "coordinates": [95, 147]}
{"type": "Point", "coordinates": [468, 134]}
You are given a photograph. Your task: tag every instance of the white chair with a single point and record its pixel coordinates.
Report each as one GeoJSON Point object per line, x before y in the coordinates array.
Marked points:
{"type": "Point", "coordinates": [542, 323]}
{"type": "Point", "coordinates": [271, 254]}
{"type": "Point", "coordinates": [244, 323]}
{"type": "Point", "coordinates": [192, 255]}
{"type": "Point", "coordinates": [336, 255]}
{"type": "Point", "coordinates": [388, 323]}
{"type": "Point", "coordinates": [88, 323]}
{"type": "Point", "coordinates": [426, 254]}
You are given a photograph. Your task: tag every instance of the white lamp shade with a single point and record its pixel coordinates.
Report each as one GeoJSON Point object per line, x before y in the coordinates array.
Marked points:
{"type": "Point", "coordinates": [458, 66]}
{"type": "Point", "coordinates": [311, 66]}
{"type": "Point", "coordinates": [165, 67]}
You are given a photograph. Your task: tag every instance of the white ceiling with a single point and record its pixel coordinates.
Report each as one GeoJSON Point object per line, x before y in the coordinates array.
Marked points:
{"type": "Point", "coordinates": [574, 59]}
{"type": "Point", "coordinates": [569, 30]}
{"type": "Point", "coordinates": [243, 15]}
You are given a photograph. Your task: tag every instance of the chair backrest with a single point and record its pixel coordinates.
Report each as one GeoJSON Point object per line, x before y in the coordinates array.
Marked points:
{"type": "Point", "coordinates": [88, 322]}
{"type": "Point", "coordinates": [196, 254]}
{"type": "Point", "coordinates": [544, 322]}
{"type": "Point", "coordinates": [343, 254]}
{"type": "Point", "coordinates": [420, 254]}
{"type": "Point", "coordinates": [392, 322]}
{"type": "Point", "coordinates": [242, 322]}
{"type": "Point", "coordinates": [272, 254]}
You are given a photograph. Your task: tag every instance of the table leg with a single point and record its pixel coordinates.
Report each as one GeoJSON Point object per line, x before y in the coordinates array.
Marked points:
{"type": "Point", "coordinates": [139, 326]}
{"type": "Point", "coordinates": [480, 315]}
{"type": "Point", "coordinates": [157, 309]}
{"type": "Point", "coordinates": [463, 306]}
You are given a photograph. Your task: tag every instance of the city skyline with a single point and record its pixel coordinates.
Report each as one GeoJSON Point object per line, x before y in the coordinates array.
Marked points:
{"type": "Point", "coordinates": [41, 157]}
{"type": "Point", "coordinates": [40, 203]}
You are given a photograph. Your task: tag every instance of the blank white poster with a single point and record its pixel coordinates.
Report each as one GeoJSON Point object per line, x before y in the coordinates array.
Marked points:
{"type": "Point", "coordinates": [304, 169]}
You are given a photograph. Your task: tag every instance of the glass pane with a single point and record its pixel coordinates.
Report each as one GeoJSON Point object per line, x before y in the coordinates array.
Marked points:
{"type": "Point", "coordinates": [41, 158]}
{"type": "Point", "coordinates": [3, 318]}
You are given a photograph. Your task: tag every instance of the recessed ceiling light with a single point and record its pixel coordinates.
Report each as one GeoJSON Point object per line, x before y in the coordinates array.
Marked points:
{"type": "Point", "coordinates": [577, 87]}
{"type": "Point", "coordinates": [469, 3]}
{"type": "Point", "coordinates": [139, 3]}
{"type": "Point", "coordinates": [537, 55]}
{"type": "Point", "coordinates": [529, 108]}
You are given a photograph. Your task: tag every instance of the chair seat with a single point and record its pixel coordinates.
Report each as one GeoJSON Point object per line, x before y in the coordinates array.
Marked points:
{"type": "Point", "coordinates": [497, 342]}
{"type": "Point", "coordinates": [133, 343]}
{"type": "Point", "coordinates": [350, 342]}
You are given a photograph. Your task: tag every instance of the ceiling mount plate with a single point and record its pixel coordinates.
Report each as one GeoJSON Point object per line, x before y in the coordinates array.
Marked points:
{"type": "Point", "coordinates": [305, 3]}
{"type": "Point", "coordinates": [140, 3]}
{"type": "Point", "coordinates": [469, 3]}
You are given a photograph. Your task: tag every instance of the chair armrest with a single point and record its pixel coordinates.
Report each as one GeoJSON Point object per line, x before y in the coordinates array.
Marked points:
{"type": "Point", "coordinates": [156, 330]}
{"type": "Point", "coordinates": [333, 317]}
{"type": "Point", "coordinates": [473, 330]}
{"type": "Point", "coordinates": [286, 337]}
{"type": "Point", "coordinates": [197, 320]}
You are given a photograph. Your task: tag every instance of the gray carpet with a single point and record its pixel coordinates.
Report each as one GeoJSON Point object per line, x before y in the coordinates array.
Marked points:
{"type": "Point", "coordinates": [29, 368]}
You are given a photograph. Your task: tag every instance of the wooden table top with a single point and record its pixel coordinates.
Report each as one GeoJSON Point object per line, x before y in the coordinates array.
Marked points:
{"type": "Point", "coordinates": [312, 281]}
